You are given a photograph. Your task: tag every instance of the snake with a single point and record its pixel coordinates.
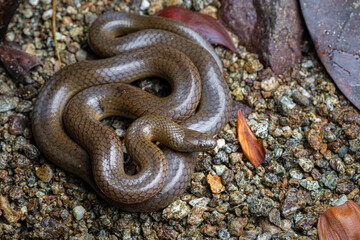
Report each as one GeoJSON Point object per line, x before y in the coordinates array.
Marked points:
{"type": "Point", "coordinates": [67, 112]}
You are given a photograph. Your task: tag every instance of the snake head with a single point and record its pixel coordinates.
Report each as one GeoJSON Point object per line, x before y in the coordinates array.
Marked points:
{"type": "Point", "coordinates": [195, 141]}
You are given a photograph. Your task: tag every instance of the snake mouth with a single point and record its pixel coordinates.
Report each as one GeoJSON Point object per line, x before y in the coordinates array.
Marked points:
{"type": "Point", "coordinates": [197, 141]}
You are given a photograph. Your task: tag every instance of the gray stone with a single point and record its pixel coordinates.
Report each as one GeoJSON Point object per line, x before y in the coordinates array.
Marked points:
{"type": "Point", "coordinates": [309, 185]}
{"type": "Point", "coordinates": [270, 179]}
{"type": "Point", "coordinates": [306, 164]}
{"type": "Point", "coordinates": [200, 202]}
{"type": "Point", "coordinates": [176, 210]}
{"type": "Point", "coordinates": [260, 206]}
{"type": "Point", "coordinates": [8, 103]}
{"type": "Point", "coordinates": [339, 201]}
{"type": "Point", "coordinates": [296, 173]}
{"type": "Point", "coordinates": [286, 104]}
{"type": "Point", "coordinates": [220, 158]}
{"type": "Point", "coordinates": [219, 169]}
{"type": "Point", "coordinates": [354, 144]}
{"type": "Point", "coordinates": [329, 179]}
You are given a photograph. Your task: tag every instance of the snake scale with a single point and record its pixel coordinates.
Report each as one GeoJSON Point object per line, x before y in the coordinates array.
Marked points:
{"type": "Point", "coordinates": [67, 113]}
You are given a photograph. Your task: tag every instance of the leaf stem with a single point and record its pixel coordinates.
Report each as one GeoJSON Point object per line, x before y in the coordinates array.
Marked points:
{"type": "Point", "coordinates": [54, 32]}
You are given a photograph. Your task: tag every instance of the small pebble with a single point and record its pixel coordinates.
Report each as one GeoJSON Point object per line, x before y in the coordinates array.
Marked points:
{"type": "Point", "coordinates": [78, 212]}
{"type": "Point", "coordinates": [215, 183]}
{"type": "Point", "coordinates": [274, 217]}
{"type": "Point", "coordinates": [145, 4]}
{"type": "Point", "coordinates": [200, 202]}
{"type": "Point", "coordinates": [219, 169]}
{"type": "Point", "coordinates": [221, 157]}
{"type": "Point", "coordinates": [34, 2]}
{"type": "Point", "coordinates": [286, 104]}
{"type": "Point", "coordinates": [253, 65]}
{"type": "Point", "coordinates": [295, 173]}
{"type": "Point", "coordinates": [81, 55]}
{"type": "Point", "coordinates": [269, 84]}
{"type": "Point", "coordinates": [237, 225]}
{"type": "Point", "coordinates": [176, 210]}
{"type": "Point", "coordinates": [8, 103]}
{"type": "Point", "coordinates": [208, 230]}
{"type": "Point", "coordinates": [339, 201]}
{"type": "Point", "coordinates": [47, 14]}
{"type": "Point", "coordinates": [306, 164]}
{"type": "Point", "coordinates": [309, 185]}
{"type": "Point", "coordinates": [16, 124]}
{"type": "Point", "coordinates": [45, 173]}
{"type": "Point", "coordinates": [10, 36]}
{"type": "Point", "coordinates": [28, 13]}
{"type": "Point", "coordinates": [10, 215]}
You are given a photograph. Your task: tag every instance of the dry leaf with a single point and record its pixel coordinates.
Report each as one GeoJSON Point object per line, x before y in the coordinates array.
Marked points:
{"type": "Point", "coordinates": [253, 149]}
{"type": "Point", "coordinates": [208, 27]}
{"type": "Point", "coordinates": [17, 62]}
{"type": "Point", "coordinates": [340, 222]}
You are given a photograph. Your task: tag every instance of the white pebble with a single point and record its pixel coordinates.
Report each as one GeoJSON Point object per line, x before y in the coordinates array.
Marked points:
{"type": "Point", "coordinates": [47, 14]}
{"type": "Point", "coordinates": [221, 143]}
{"type": "Point", "coordinates": [34, 2]}
{"type": "Point", "coordinates": [59, 36]}
{"type": "Point", "coordinates": [200, 202]}
{"type": "Point", "coordinates": [219, 169]}
{"type": "Point", "coordinates": [339, 201]}
{"type": "Point", "coordinates": [145, 4]}
{"type": "Point", "coordinates": [79, 212]}
{"type": "Point", "coordinates": [10, 36]}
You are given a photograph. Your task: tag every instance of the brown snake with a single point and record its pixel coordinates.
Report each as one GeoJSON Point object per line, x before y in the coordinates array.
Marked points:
{"type": "Point", "coordinates": [81, 94]}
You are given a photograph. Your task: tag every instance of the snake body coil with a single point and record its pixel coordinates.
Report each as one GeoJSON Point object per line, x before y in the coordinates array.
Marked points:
{"type": "Point", "coordinates": [81, 94]}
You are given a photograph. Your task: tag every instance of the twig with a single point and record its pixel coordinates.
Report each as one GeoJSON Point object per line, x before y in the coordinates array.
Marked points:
{"type": "Point", "coordinates": [54, 32]}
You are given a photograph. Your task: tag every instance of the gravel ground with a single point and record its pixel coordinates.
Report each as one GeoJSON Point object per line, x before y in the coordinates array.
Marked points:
{"type": "Point", "coordinates": [311, 133]}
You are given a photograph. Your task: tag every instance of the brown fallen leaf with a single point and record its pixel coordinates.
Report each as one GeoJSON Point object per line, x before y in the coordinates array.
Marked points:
{"type": "Point", "coordinates": [208, 27]}
{"type": "Point", "coordinates": [340, 222]}
{"type": "Point", "coordinates": [17, 62]}
{"type": "Point", "coordinates": [253, 149]}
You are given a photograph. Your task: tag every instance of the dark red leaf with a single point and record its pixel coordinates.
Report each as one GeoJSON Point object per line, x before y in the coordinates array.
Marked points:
{"type": "Point", "coordinates": [7, 10]}
{"type": "Point", "coordinates": [334, 26]}
{"type": "Point", "coordinates": [208, 27]}
{"type": "Point", "coordinates": [17, 62]}
{"type": "Point", "coordinates": [272, 29]}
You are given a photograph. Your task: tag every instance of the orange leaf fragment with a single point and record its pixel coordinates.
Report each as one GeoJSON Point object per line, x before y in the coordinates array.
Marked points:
{"type": "Point", "coordinates": [340, 222]}
{"type": "Point", "coordinates": [253, 149]}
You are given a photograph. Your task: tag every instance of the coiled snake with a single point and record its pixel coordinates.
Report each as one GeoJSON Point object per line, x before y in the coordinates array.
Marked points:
{"type": "Point", "coordinates": [66, 116]}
